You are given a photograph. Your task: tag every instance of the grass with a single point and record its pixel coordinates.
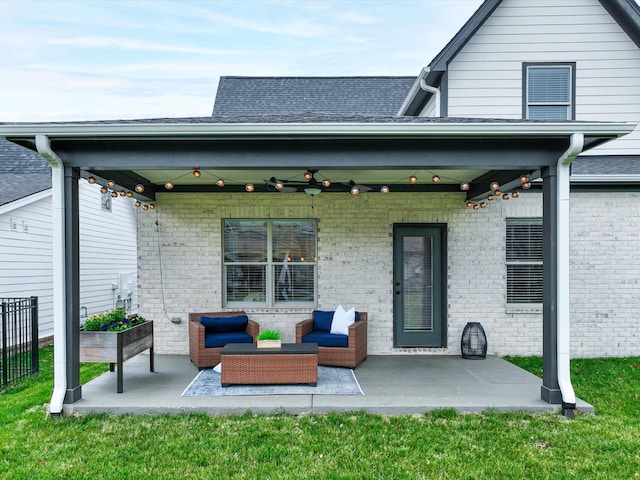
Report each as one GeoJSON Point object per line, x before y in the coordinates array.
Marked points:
{"type": "Point", "coordinates": [442, 444]}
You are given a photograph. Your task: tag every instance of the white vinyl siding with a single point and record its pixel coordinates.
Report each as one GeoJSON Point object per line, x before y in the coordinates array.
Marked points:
{"type": "Point", "coordinates": [108, 253]}
{"type": "Point", "coordinates": [524, 261]}
{"type": "Point", "coordinates": [485, 78]}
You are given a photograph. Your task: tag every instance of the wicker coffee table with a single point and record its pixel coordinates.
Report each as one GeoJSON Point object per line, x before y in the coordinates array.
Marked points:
{"type": "Point", "coordinates": [245, 364]}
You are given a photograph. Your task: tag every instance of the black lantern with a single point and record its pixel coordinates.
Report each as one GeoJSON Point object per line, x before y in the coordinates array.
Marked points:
{"type": "Point", "coordinates": [474, 342]}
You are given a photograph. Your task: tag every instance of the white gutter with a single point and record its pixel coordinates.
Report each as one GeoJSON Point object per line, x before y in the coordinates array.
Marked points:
{"type": "Point", "coordinates": [43, 146]}
{"type": "Point", "coordinates": [563, 316]}
{"type": "Point", "coordinates": [426, 128]}
{"type": "Point", "coordinates": [435, 91]}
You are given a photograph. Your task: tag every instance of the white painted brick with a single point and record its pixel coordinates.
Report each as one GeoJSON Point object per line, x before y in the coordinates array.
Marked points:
{"type": "Point", "coordinates": [355, 265]}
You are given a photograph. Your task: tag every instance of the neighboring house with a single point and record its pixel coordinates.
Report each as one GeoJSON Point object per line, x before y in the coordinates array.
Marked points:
{"type": "Point", "coordinates": [404, 226]}
{"type": "Point", "coordinates": [107, 239]}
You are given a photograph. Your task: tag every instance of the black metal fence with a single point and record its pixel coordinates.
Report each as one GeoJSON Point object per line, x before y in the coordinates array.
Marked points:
{"type": "Point", "coordinates": [19, 339]}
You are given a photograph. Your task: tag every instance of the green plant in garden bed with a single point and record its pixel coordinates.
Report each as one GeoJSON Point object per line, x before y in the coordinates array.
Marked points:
{"type": "Point", "coordinates": [114, 320]}
{"type": "Point", "coordinates": [269, 335]}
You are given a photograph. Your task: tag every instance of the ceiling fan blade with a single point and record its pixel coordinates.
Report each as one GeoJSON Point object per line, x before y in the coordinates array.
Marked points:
{"type": "Point", "coordinates": [363, 188]}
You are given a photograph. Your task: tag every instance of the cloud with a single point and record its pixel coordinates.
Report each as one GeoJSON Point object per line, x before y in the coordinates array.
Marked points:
{"type": "Point", "coordinates": [126, 44]}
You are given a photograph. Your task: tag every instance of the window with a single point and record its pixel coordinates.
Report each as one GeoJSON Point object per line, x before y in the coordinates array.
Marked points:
{"type": "Point", "coordinates": [549, 91]}
{"type": "Point", "coordinates": [269, 262]}
{"type": "Point", "coordinates": [524, 260]}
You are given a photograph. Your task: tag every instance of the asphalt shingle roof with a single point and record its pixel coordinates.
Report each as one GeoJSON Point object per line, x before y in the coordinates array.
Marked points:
{"type": "Point", "coordinates": [241, 96]}
{"type": "Point", "coordinates": [22, 172]}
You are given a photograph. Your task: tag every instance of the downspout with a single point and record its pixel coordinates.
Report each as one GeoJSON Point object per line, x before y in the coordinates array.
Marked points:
{"type": "Point", "coordinates": [428, 88]}
{"type": "Point", "coordinates": [576, 145]}
{"type": "Point", "coordinates": [43, 145]}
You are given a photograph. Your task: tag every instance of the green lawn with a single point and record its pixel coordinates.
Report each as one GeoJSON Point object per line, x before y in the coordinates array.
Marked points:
{"type": "Point", "coordinates": [439, 445]}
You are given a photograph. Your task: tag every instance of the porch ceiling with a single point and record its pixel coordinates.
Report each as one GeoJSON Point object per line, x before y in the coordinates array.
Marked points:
{"type": "Point", "coordinates": [377, 152]}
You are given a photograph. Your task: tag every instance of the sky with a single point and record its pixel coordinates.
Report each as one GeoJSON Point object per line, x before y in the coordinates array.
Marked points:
{"type": "Point", "coordinates": [123, 59]}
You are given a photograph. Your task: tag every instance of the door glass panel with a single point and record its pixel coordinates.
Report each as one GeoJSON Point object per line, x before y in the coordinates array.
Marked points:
{"type": "Point", "coordinates": [418, 283]}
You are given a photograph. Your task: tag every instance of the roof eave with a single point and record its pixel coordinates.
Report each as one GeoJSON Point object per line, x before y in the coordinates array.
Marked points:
{"type": "Point", "coordinates": [328, 129]}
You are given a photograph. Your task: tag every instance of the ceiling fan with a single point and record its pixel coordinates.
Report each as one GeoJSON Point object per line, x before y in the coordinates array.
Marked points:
{"type": "Point", "coordinates": [312, 186]}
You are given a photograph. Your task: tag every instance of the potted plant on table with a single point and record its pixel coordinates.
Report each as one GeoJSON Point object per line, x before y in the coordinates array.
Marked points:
{"type": "Point", "coordinates": [269, 339]}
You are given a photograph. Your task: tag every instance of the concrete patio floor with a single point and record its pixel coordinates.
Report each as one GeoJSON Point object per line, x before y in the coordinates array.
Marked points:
{"type": "Point", "coordinates": [395, 384]}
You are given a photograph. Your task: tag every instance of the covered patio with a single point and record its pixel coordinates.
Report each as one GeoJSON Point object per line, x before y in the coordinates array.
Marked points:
{"type": "Point", "coordinates": [160, 162]}
{"type": "Point", "coordinates": [398, 384]}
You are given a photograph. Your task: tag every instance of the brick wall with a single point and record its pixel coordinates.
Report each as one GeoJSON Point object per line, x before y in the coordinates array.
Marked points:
{"type": "Point", "coordinates": [180, 249]}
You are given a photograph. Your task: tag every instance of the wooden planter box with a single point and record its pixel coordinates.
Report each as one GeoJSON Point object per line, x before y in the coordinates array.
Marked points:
{"type": "Point", "coordinates": [269, 343]}
{"type": "Point", "coordinates": [117, 347]}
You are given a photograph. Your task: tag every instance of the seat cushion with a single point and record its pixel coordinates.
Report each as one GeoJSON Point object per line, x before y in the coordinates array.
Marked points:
{"type": "Point", "coordinates": [326, 339]}
{"type": "Point", "coordinates": [237, 323]}
{"type": "Point", "coordinates": [212, 340]}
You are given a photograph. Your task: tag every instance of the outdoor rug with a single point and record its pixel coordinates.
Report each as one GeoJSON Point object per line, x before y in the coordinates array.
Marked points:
{"type": "Point", "coordinates": [331, 381]}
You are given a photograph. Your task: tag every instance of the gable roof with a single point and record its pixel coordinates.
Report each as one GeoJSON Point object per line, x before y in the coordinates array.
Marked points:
{"type": "Point", "coordinates": [22, 172]}
{"type": "Point", "coordinates": [625, 12]}
{"type": "Point", "coordinates": [244, 96]}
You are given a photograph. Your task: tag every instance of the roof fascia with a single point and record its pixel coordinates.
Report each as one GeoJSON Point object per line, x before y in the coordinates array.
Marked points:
{"type": "Point", "coordinates": [24, 201]}
{"type": "Point", "coordinates": [494, 129]}
{"type": "Point", "coordinates": [627, 14]}
{"type": "Point", "coordinates": [460, 39]}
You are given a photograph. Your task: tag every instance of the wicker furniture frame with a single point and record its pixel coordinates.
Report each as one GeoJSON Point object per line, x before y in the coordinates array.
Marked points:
{"type": "Point", "coordinates": [209, 357]}
{"type": "Point", "coordinates": [349, 356]}
{"type": "Point", "coordinates": [244, 364]}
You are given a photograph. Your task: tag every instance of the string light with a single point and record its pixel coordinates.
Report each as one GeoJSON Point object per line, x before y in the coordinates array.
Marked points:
{"type": "Point", "coordinates": [114, 194]}
{"type": "Point", "coordinates": [249, 187]}
{"type": "Point", "coordinates": [196, 173]}
{"type": "Point", "coordinates": [168, 185]}
{"type": "Point", "coordinates": [515, 194]}
{"type": "Point", "coordinates": [279, 185]}
{"type": "Point", "coordinates": [505, 196]}
{"type": "Point", "coordinates": [469, 204]}
{"type": "Point", "coordinates": [123, 193]}
{"type": "Point", "coordinates": [490, 197]}
{"type": "Point", "coordinates": [138, 203]}
{"type": "Point", "coordinates": [483, 204]}
{"type": "Point", "coordinates": [104, 190]}
{"type": "Point", "coordinates": [526, 185]}
{"type": "Point", "coordinates": [464, 186]}
{"type": "Point", "coordinates": [139, 188]}
{"type": "Point", "coordinates": [326, 183]}
{"type": "Point", "coordinates": [524, 179]}
{"type": "Point", "coordinates": [495, 186]}
{"type": "Point", "coordinates": [220, 182]}
{"type": "Point", "coordinates": [355, 190]}
{"type": "Point", "coordinates": [384, 189]}
{"type": "Point", "coordinates": [129, 194]}
{"type": "Point", "coordinates": [110, 183]}
{"type": "Point", "coordinates": [308, 175]}
{"type": "Point", "coordinates": [91, 180]}
{"type": "Point", "coordinates": [435, 179]}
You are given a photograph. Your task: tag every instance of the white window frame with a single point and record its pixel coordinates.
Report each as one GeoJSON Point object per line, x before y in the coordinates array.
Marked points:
{"type": "Point", "coordinates": [569, 104]}
{"type": "Point", "coordinates": [270, 265]}
{"type": "Point", "coordinates": [511, 260]}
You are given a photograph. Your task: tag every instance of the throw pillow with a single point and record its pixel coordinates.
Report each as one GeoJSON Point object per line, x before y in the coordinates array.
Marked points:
{"type": "Point", "coordinates": [322, 320]}
{"type": "Point", "coordinates": [236, 323]}
{"type": "Point", "coordinates": [342, 320]}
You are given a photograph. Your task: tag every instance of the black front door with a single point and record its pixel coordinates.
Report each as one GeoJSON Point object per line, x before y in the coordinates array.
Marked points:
{"type": "Point", "coordinates": [419, 285]}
